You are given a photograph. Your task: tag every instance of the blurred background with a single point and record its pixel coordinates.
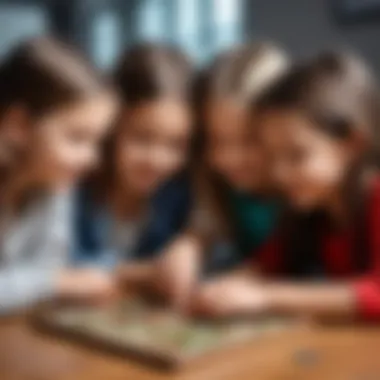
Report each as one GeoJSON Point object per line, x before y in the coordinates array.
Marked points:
{"type": "Point", "coordinates": [202, 27]}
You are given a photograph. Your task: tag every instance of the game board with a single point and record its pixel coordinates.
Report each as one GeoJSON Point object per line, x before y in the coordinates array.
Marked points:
{"type": "Point", "coordinates": [133, 327]}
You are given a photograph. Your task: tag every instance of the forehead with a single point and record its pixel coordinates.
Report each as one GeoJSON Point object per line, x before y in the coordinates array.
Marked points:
{"type": "Point", "coordinates": [158, 108]}
{"type": "Point", "coordinates": [93, 111]}
{"type": "Point", "coordinates": [226, 115]}
{"type": "Point", "coordinates": [163, 115]}
{"type": "Point", "coordinates": [280, 127]}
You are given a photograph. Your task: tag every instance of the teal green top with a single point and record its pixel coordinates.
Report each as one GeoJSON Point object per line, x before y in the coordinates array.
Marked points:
{"type": "Point", "coordinates": [254, 218]}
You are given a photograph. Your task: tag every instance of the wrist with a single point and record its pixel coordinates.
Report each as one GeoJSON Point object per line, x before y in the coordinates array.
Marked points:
{"type": "Point", "coordinates": [274, 299]}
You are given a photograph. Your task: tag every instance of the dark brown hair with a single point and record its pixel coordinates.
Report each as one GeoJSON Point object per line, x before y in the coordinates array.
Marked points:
{"type": "Point", "coordinates": [241, 73]}
{"type": "Point", "coordinates": [145, 73]}
{"type": "Point", "coordinates": [334, 90]}
{"type": "Point", "coordinates": [337, 92]}
{"type": "Point", "coordinates": [43, 74]}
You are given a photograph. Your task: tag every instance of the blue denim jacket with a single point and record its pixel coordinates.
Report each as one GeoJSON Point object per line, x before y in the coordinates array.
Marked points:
{"type": "Point", "coordinates": [169, 208]}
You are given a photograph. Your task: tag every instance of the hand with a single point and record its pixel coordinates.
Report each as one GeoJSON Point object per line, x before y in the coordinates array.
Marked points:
{"type": "Point", "coordinates": [174, 276]}
{"type": "Point", "coordinates": [135, 275]}
{"type": "Point", "coordinates": [230, 296]}
{"type": "Point", "coordinates": [87, 285]}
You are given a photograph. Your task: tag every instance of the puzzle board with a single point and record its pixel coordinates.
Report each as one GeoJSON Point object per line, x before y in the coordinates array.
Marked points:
{"type": "Point", "coordinates": [135, 327]}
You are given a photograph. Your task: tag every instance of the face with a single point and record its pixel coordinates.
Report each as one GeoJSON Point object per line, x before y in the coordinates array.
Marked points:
{"type": "Point", "coordinates": [309, 165]}
{"type": "Point", "coordinates": [64, 144]}
{"type": "Point", "coordinates": [153, 144]}
{"type": "Point", "coordinates": [232, 147]}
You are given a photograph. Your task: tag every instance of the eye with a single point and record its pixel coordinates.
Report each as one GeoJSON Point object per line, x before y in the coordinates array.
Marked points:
{"type": "Point", "coordinates": [77, 136]}
{"type": "Point", "coordinates": [337, 125]}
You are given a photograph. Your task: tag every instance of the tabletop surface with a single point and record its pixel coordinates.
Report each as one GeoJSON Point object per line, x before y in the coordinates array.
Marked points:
{"type": "Point", "coordinates": [344, 353]}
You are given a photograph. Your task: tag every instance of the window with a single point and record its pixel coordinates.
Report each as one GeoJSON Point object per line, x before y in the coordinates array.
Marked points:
{"type": "Point", "coordinates": [201, 27]}
{"type": "Point", "coordinates": [106, 38]}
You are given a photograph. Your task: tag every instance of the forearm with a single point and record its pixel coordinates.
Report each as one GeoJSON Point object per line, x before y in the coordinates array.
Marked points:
{"type": "Point", "coordinates": [178, 268]}
{"type": "Point", "coordinates": [315, 300]}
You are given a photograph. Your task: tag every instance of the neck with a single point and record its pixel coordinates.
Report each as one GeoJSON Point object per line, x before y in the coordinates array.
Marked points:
{"type": "Point", "coordinates": [126, 203]}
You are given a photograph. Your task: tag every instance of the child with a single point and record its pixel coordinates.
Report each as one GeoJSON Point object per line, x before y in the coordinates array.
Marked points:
{"type": "Point", "coordinates": [318, 123]}
{"type": "Point", "coordinates": [233, 181]}
{"type": "Point", "coordinates": [54, 108]}
{"type": "Point", "coordinates": [131, 208]}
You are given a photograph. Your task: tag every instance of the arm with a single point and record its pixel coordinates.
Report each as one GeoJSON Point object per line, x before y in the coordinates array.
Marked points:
{"type": "Point", "coordinates": [179, 265]}
{"type": "Point", "coordinates": [244, 294]}
{"type": "Point", "coordinates": [135, 274]}
{"type": "Point", "coordinates": [177, 270]}
{"type": "Point", "coordinates": [330, 300]}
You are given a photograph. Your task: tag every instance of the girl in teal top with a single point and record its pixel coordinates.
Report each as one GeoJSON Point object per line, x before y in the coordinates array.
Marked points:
{"type": "Point", "coordinates": [229, 157]}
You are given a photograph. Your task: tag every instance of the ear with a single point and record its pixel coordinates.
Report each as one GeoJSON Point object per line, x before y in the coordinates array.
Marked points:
{"type": "Point", "coordinates": [15, 125]}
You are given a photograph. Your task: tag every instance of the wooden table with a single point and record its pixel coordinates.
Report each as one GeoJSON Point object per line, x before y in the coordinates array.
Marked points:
{"type": "Point", "coordinates": [350, 353]}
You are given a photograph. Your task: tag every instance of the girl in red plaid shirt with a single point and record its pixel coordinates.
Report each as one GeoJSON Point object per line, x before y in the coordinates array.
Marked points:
{"type": "Point", "coordinates": [318, 124]}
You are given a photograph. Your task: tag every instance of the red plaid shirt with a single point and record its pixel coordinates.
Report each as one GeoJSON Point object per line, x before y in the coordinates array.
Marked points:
{"type": "Point", "coordinates": [337, 258]}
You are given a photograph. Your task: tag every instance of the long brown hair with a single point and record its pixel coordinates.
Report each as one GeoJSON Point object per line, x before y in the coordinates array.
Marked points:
{"type": "Point", "coordinates": [144, 73]}
{"type": "Point", "coordinates": [241, 73]}
{"type": "Point", "coordinates": [337, 92]}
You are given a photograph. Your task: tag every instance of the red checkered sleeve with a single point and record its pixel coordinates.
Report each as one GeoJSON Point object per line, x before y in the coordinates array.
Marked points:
{"type": "Point", "coordinates": [367, 289]}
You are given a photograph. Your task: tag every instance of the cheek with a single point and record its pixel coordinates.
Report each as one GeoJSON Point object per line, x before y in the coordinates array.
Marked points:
{"type": "Point", "coordinates": [314, 179]}
{"type": "Point", "coordinates": [58, 152]}
{"type": "Point", "coordinates": [69, 154]}
{"type": "Point", "coordinates": [51, 147]}
{"type": "Point", "coordinates": [155, 159]}
{"type": "Point", "coordinates": [326, 168]}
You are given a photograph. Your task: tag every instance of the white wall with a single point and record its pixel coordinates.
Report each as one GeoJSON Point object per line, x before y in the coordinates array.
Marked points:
{"type": "Point", "coordinates": [305, 26]}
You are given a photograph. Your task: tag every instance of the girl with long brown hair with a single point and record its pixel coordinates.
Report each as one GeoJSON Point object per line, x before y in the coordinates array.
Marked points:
{"type": "Point", "coordinates": [54, 109]}
{"type": "Point", "coordinates": [320, 125]}
{"type": "Point", "coordinates": [140, 198]}
{"type": "Point", "coordinates": [235, 196]}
